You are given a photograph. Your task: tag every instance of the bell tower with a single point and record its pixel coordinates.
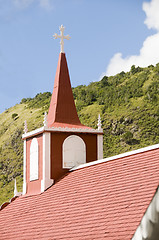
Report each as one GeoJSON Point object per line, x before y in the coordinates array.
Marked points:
{"type": "Point", "coordinates": [63, 142]}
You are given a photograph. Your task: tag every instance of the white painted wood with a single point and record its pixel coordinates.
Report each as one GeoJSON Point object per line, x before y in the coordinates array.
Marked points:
{"type": "Point", "coordinates": [45, 119]}
{"type": "Point", "coordinates": [100, 146]}
{"type": "Point", "coordinates": [62, 37]}
{"type": "Point", "coordinates": [15, 188]}
{"type": "Point", "coordinates": [24, 167]}
{"type": "Point", "coordinates": [117, 156]}
{"type": "Point", "coordinates": [99, 123]}
{"type": "Point", "coordinates": [34, 160]}
{"type": "Point", "coordinates": [46, 181]}
{"type": "Point", "coordinates": [74, 151]}
{"type": "Point", "coordinates": [16, 193]}
{"type": "Point", "coordinates": [60, 129]}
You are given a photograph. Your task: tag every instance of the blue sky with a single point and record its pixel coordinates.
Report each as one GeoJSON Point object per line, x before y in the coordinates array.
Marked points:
{"type": "Point", "coordinates": [106, 38]}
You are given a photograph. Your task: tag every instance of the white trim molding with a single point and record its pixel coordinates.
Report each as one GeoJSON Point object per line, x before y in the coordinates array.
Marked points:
{"type": "Point", "coordinates": [33, 133]}
{"type": "Point", "coordinates": [145, 149]}
{"type": "Point", "coordinates": [46, 181]}
{"type": "Point", "coordinates": [61, 129]}
{"type": "Point", "coordinates": [149, 225]}
{"type": "Point", "coordinates": [100, 146]}
{"type": "Point", "coordinates": [24, 168]}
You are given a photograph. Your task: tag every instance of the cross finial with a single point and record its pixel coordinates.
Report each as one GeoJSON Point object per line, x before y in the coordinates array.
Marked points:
{"type": "Point", "coordinates": [61, 28]}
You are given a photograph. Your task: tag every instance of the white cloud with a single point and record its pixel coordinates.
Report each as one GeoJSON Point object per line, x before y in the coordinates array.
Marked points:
{"type": "Point", "coordinates": [152, 12]}
{"type": "Point", "coordinates": [45, 4]}
{"type": "Point", "coordinates": [149, 53]}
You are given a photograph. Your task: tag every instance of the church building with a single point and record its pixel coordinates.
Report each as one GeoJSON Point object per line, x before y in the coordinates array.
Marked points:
{"type": "Point", "coordinates": [70, 191]}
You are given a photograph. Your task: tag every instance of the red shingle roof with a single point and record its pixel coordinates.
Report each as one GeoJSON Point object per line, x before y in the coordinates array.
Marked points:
{"type": "Point", "coordinates": [105, 200]}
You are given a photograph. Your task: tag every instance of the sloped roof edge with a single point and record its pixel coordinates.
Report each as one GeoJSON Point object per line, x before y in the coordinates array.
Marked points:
{"type": "Point", "coordinates": [105, 201]}
{"type": "Point", "coordinates": [5, 204]}
{"type": "Point", "coordinates": [145, 149]}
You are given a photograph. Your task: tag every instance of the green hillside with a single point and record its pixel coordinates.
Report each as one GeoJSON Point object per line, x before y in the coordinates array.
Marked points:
{"type": "Point", "coordinates": [129, 108]}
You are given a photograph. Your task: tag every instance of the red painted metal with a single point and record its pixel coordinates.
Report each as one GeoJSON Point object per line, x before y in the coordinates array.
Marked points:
{"type": "Point", "coordinates": [62, 109]}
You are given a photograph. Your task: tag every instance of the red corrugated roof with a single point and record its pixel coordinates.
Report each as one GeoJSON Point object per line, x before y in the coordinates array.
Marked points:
{"type": "Point", "coordinates": [105, 200]}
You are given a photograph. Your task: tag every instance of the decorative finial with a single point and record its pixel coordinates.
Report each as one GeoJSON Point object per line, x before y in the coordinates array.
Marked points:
{"type": "Point", "coordinates": [99, 123]}
{"type": "Point", "coordinates": [45, 119]}
{"type": "Point", "coordinates": [16, 193]}
{"type": "Point", "coordinates": [25, 127]}
{"type": "Point", "coordinates": [15, 189]}
{"type": "Point", "coordinates": [61, 28]}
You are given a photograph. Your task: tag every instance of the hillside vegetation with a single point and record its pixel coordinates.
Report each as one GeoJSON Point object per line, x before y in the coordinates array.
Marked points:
{"type": "Point", "coordinates": [129, 108]}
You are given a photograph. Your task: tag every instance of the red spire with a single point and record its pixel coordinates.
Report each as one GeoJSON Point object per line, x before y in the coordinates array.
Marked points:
{"type": "Point", "coordinates": [62, 111]}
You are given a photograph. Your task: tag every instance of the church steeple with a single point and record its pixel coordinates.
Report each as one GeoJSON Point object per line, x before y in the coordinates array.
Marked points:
{"type": "Point", "coordinates": [62, 111]}
{"type": "Point", "coordinates": [63, 142]}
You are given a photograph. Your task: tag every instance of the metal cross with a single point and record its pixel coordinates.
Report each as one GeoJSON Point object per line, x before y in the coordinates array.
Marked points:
{"type": "Point", "coordinates": [61, 28]}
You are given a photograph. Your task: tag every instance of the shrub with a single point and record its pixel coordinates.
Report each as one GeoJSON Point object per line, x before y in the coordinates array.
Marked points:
{"type": "Point", "coordinates": [14, 115]}
{"type": "Point", "coordinates": [128, 137]}
{"type": "Point", "coordinates": [135, 69]}
{"type": "Point", "coordinates": [104, 81]}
